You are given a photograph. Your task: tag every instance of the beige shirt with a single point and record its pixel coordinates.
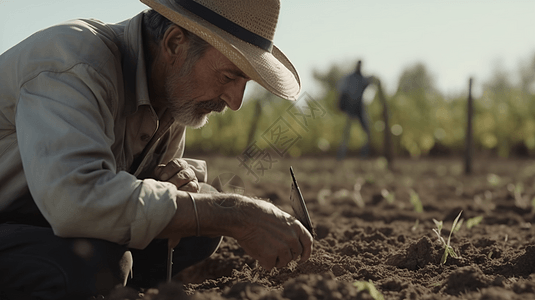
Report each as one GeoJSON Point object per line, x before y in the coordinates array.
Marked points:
{"type": "Point", "coordinates": [77, 131]}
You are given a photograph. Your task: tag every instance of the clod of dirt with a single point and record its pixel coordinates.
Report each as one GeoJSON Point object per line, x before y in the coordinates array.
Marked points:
{"type": "Point", "coordinates": [416, 256]}
{"type": "Point", "coordinates": [521, 265]}
{"type": "Point", "coordinates": [320, 287]}
{"type": "Point", "coordinates": [338, 270]}
{"type": "Point", "coordinates": [497, 293]}
{"type": "Point", "coordinates": [248, 290]}
{"type": "Point", "coordinates": [525, 263]}
{"type": "Point", "coordinates": [322, 230]}
{"type": "Point", "coordinates": [394, 284]}
{"type": "Point", "coordinates": [525, 286]}
{"type": "Point", "coordinates": [466, 279]}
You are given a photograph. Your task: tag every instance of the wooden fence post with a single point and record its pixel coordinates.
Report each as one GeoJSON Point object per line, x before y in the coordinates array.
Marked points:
{"type": "Point", "coordinates": [387, 134]}
{"type": "Point", "coordinates": [469, 146]}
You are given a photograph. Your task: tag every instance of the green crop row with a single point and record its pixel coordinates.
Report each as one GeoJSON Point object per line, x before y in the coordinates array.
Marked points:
{"type": "Point", "coordinates": [422, 120]}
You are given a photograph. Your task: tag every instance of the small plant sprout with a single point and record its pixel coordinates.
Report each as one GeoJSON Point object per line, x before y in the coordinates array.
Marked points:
{"type": "Point", "coordinates": [415, 201]}
{"type": "Point", "coordinates": [369, 179]}
{"type": "Point", "coordinates": [448, 250]}
{"type": "Point", "coordinates": [458, 226]}
{"type": "Point", "coordinates": [473, 221]}
{"type": "Point", "coordinates": [323, 196]}
{"type": "Point", "coordinates": [437, 230]}
{"type": "Point", "coordinates": [520, 201]}
{"type": "Point", "coordinates": [389, 197]}
{"type": "Point", "coordinates": [381, 163]}
{"type": "Point", "coordinates": [493, 179]}
{"type": "Point", "coordinates": [356, 196]}
{"type": "Point", "coordinates": [370, 288]}
{"type": "Point", "coordinates": [415, 226]}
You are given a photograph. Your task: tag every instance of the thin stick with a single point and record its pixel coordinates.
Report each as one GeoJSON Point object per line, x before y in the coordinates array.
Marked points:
{"type": "Point", "coordinates": [170, 251]}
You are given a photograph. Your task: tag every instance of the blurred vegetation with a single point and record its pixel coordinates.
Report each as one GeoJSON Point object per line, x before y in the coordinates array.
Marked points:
{"type": "Point", "coordinates": [423, 120]}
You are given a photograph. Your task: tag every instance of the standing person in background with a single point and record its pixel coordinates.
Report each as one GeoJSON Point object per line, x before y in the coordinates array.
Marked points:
{"type": "Point", "coordinates": [350, 91]}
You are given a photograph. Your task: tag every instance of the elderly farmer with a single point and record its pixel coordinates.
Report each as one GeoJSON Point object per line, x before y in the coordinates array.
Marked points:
{"type": "Point", "coordinates": [92, 126]}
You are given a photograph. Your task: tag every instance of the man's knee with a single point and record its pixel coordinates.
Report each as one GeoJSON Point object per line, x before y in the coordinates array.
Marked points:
{"type": "Point", "coordinates": [192, 250]}
{"type": "Point", "coordinates": [50, 267]}
{"type": "Point", "coordinates": [92, 267]}
{"type": "Point", "coordinates": [108, 263]}
{"type": "Point", "coordinates": [150, 264]}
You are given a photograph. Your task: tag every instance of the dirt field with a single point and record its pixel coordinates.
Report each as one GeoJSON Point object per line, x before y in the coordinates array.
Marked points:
{"type": "Point", "coordinates": [370, 234]}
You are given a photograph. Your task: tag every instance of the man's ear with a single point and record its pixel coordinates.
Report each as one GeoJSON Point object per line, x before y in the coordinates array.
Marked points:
{"type": "Point", "coordinates": [174, 44]}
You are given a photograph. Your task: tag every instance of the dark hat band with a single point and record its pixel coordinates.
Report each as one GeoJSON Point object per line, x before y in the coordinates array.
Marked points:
{"type": "Point", "coordinates": [226, 24]}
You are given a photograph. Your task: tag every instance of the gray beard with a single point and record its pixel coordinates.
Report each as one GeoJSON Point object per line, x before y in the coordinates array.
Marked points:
{"type": "Point", "coordinates": [185, 110]}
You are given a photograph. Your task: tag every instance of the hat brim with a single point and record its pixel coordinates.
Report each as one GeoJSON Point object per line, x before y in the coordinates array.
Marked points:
{"type": "Point", "coordinates": [272, 70]}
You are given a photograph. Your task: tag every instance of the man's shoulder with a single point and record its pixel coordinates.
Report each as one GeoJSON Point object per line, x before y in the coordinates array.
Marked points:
{"type": "Point", "coordinates": [86, 41]}
{"type": "Point", "coordinates": [80, 29]}
{"type": "Point", "coordinates": [61, 47]}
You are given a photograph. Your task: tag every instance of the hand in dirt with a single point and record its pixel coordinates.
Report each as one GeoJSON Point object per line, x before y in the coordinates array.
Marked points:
{"type": "Point", "coordinates": [272, 236]}
{"type": "Point", "coordinates": [179, 173]}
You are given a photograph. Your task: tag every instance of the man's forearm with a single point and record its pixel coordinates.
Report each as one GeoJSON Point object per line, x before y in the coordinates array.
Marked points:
{"type": "Point", "coordinates": [265, 232]}
{"type": "Point", "coordinates": [218, 215]}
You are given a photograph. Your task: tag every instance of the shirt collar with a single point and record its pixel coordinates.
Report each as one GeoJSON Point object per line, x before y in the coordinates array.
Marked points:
{"type": "Point", "coordinates": [134, 68]}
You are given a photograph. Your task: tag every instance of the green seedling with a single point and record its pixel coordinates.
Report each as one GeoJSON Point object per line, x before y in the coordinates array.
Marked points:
{"type": "Point", "coordinates": [357, 196]}
{"type": "Point", "coordinates": [354, 196]}
{"type": "Point", "coordinates": [389, 197]}
{"type": "Point", "coordinates": [369, 179]}
{"type": "Point", "coordinates": [323, 196]}
{"type": "Point", "coordinates": [494, 179]}
{"type": "Point", "coordinates": [407, 181]}
{"type": "Point", "coordinates": [370, 288]}
{"type": "Point", "coordinates": [415, 226]}
{"type": "Point", "coordinates": [517, 190]}
{"type": "Point", "coordinates": [458, 226]}
{"type": "Point", "coordinates": [473, 221]}
{"type": "Point", "coordinates": [448, 250]}
{"type": "Point", "coordinates": [415, 201]}
{"type": "Point", "coordinates": [381, 163]}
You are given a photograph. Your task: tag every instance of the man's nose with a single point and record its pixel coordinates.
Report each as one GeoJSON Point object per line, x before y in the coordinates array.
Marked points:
{"type": "Point", "coordinates": [233, 93]}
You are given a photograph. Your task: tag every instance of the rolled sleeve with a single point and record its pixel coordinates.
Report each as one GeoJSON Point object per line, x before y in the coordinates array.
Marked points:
{"type": "Point", "coordinates": [156, 206]}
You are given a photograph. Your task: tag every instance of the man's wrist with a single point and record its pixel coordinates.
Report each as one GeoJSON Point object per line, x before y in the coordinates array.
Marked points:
{"type": "Point", "coordinates": [221, 214]}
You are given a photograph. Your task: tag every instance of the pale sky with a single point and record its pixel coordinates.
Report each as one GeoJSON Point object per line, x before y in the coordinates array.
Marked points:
{"type": "Point", "coordinates": [455, 39]}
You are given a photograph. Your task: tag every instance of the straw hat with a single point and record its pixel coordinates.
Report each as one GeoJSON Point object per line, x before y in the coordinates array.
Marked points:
{"type": "Point", "coordinates": [243, 31]}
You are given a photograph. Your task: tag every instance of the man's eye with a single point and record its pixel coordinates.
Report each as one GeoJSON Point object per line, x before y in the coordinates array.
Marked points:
{"type": "Point", "coordinates": [227, 79]}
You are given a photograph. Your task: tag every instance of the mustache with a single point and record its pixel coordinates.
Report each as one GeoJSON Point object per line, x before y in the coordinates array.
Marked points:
{"type": "Point", "coordinates": [213, 105]}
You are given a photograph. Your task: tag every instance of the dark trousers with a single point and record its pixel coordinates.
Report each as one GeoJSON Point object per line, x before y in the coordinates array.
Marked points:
{"type": "Point", "coordinates": [34, 262]}
{"type": "Point", "coordinates": [363, 119]}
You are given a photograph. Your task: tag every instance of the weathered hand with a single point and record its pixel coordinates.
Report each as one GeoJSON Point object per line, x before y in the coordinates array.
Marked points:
{"type": "Point", "coordinates": [272, 236]}
{"type": "Point", "coordinates": [179, 173]}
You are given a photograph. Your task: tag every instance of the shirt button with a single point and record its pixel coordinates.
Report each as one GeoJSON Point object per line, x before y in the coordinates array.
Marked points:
{"type": "Point", "coordinates": [145, 137]}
